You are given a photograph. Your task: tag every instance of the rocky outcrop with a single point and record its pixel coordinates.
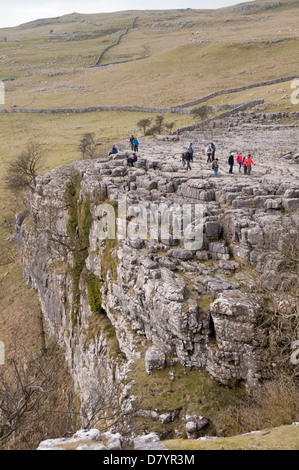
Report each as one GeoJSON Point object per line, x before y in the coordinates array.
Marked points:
{"type": "Point", "coordinates": [93, 440]}
{"type": "Point", "coordinates": [177, 282]}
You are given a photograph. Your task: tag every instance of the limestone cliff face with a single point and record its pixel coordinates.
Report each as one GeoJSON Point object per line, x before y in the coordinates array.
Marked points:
{"type": "Point", "coordinates": [102, 298]}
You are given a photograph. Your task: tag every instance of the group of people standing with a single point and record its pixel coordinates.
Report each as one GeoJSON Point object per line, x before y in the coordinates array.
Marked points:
{"type": "Point", "coordinates": [244, 162]}
{"type": "Point", "coordinates": [134, 143]}
{"type": "Point", "coordinates": [187, 157]}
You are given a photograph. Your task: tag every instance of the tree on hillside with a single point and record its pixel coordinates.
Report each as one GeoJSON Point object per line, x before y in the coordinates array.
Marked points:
{"type": "Point", "coordinates": [159, 123]}
{"type": "Point", "coordinates": [24, 169]}
{"type": "Point", "coordinates": [207, 127]}
{"type": "Point", "coordinates": [87, 146]}
{"type": "Point", "coordinates": [144, 123]}
{"type": "Point", "coordinates": [201, 113]}
{"type": "Point", "coordinates": [29, 395]}
{"type": "Point", "coordinates": [169, 125]}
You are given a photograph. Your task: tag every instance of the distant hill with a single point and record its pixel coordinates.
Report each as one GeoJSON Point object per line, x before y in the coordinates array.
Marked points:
{"type": "Point", "coordinates": [182, 55]}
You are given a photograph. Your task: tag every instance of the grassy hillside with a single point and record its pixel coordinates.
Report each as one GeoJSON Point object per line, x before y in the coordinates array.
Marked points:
{"type": "Point", "coordinates": [281, 438]}
{"type": "Point", "coordinates": [189, 54]}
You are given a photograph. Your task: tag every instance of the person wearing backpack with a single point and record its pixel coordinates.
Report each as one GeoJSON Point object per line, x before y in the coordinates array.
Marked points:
{"type": "Point", "coordinates": [188, 158]}
{"type": "Point", "coordinates": [129, 160]}
{"type": "Point", "coordinates": [231, 162]}
{"type": "Point", "coordinates": [191, 151]}
{"type": "Point", "coordinates": [135, 145]}
{"type": "Point", "coordinates": [209, 152]}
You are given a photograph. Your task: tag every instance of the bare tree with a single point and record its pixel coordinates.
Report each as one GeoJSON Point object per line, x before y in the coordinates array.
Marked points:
{"type": "Point", "coordinates": [87, 146]}
{"type": "Point", "coordinates": [201, 113]}
{"type": "Point", "coordinates": [144, 123]}
{"type": "Point", "coordinates": [159, 123]}
{"type": "Point", "coordinates": [169, 125]}
{"type": "Point", "coordinates": [27, 383]}
{"type": "Point", "coordinates": [107, 412]}
{"type": "Point", "coordinates": [8, 252]}
{"type": "Point", "coordinates": [24, 169]}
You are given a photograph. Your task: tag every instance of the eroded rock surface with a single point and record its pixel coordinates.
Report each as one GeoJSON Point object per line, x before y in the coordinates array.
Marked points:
{"type": "Point", "coordinates": [194, 303]}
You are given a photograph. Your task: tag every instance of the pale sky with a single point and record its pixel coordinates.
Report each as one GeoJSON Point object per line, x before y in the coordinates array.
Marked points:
{"type": "Point", "coordinates": [15, 12]}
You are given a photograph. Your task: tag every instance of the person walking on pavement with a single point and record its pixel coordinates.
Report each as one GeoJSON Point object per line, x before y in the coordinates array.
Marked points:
{"type": "Point", "coordinates": [213, 150]}
{"type": "Point", "coordinates": [215, 167]}
{"type": "Point", "coordinates": [209, 152]}
{"type": "Point", "coordinates": [188, 159]}
{"type": "Point", "coordinates": [231, 162]}
{"type": "Point", "coordinates": [247, 164]}
{"type": "Point", "coordinates": [191, 151]}
{"type": "Point", "coordinates": [239, 160]}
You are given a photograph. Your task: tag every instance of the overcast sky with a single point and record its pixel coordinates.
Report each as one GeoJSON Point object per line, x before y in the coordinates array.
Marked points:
{"type": "Point", "coordinates": [15, 12]}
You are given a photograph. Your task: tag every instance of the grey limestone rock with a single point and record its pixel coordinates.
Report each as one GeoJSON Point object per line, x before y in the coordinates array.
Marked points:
{"type": "Point", "coordinates": [154, 288]}
{"type": "Point", "coordinates": [148, 442]}
{"type": "Point", "coordinates": [155, 359]}
{"type": "Point", "coordinates": [194, 425]}
{"type": "Point", "coordinates": [114, 441]}
{"type": "Point", "coordinates": [229, 265]}
{"type": "Point", "coordinates": [179, 253]}
{"type": "Point", "coordinates": [79, 441]}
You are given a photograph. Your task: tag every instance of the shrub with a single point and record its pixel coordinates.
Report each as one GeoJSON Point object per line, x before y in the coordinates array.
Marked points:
{"type": "Point", "coordinates": [273, 404]}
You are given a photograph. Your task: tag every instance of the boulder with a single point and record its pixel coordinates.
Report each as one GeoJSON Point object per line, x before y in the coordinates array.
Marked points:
{"type": "Point", "coordinates": [149, 442]}
{"type": "Point", "coordinates": [194, 425]}
{"type": "Point", "coordinates": [114, 441]}
{"type": "Point", "coordinates": [154, 359]}
{"type": "Point", "coordinates": [79, 441]}
{"type": "Point", "coordinates": [180, 254]}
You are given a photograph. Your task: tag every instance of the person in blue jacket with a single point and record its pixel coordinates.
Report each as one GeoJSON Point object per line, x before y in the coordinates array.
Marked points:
{"type": "Point", "coordinates": [113, 150]}
{"type": "Point", "coordinates": [135, 145]}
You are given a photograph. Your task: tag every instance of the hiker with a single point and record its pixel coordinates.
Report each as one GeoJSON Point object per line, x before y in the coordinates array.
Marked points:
{"type": "Point", "coordinates": [129, 160]}
{"type": "Point", "coordinates": [188, 159]}
{"type": "Point", "coordinates": [183, 160]}
{"type": "Point", "coordinates": [247, 164]}
{"type": "Point", "coordinates": [135, 158]}
{"type": "Point", "coordinates": [209, 152]}
{"type": "Point", "coordinates": [191, 151]}
{"type": "Point", "coordinates": [135, 145]}
{"type": "Point", "coordinates": [113, 150]}
{"type": "Point", "coordinates": [239, 160]}
{"type": "Point", "coordinates": [131, 142]}
{"type": "Point", "coordinates": [213, 150]}
{"type": "Point", "coordinates": [215, 167]}
{"type": "Point", "coordinates": [231, 162]}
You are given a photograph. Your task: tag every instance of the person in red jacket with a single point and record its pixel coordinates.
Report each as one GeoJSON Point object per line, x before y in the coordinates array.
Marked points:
{"type": "Point", "coordinates": [247, 164]}
{"type": "Point", "coordinates": [239, 160]}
